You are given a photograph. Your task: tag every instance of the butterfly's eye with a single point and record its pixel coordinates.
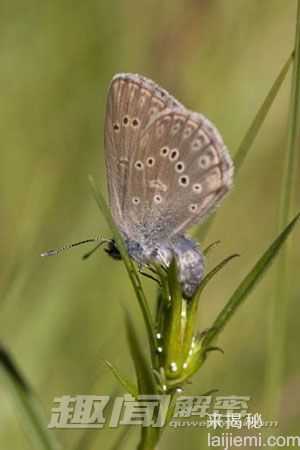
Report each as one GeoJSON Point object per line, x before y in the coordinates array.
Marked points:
{"type": "Point", "coordinates": [174, 154]}
{"type": "Point", "coordinates": [164, 151]}
{"type": "Point", "coordinates": [179, 167]}
{"type": "Point", "coordinates": [116, 127]}
{"type": "Point", "coordinates": [125, 120]}
{"type": "Point", "coordinates": [184, 180]}
{"type": "Point", "coordinates": [139, 165]}
{"type": "Point", "coordinates": [135, 123]}
{"type": "Point", "coordinates": [197, 187]}
{"type": "Point", "coordinates": [150, 161]}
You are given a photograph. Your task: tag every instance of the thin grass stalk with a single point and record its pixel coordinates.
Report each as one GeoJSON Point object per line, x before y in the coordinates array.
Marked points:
{"type": "Point", "coordinates": [250, 136]}
{"type": "Point", "coordinates": [277, 340]}
{"type": "Point", "coordinates": [133, 276]}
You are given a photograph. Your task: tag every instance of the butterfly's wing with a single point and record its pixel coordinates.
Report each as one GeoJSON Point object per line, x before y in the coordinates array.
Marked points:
{"type": "Point", "coordinates": [167, 167]}
{"type": "Point", "coordinates": [192, 170]}
{"type": "Point", "coordinates": [132, 104]}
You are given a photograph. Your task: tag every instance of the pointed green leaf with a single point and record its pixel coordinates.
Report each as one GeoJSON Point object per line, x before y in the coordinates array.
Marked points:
{"type": "Point", "coordinates": [211, 274]}
{"type": "Point", "coordinates": [210, 392]}
{"type": "Point", "coordinates": [193, 304]}
{"type": "Point", "coordinates": [197, 359]}
{"type": "Point", "coordinates": [210, 247]}
{"type": "Point", "coordinates": [249, 282]}
{"type": "Point", "coordinates": [127, 385]}
{"type": "Point", "coordinates": [214, 349]}
{"type": "Point", "coordinates": [133, 275]}
{"type": "Point", "coordinates": [33, 418]}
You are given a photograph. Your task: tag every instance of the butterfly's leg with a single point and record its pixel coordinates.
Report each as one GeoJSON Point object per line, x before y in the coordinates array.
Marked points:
{"type": "Point", "coordinates": [153, 269]}
{"type": "Point", "coordinates": [147, 275]}
{"type": "Point", "coordinates": [91, 252]}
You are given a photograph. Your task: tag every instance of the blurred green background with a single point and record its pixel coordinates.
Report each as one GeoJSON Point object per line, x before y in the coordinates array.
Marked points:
{"type": "Point", "coordinates": [60, 317]}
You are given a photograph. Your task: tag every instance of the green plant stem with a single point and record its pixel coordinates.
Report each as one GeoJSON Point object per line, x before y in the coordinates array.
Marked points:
{"type": "Point", "coordinates": [149, 439]}
{"type": "Point", "coordinates": [133, 275]}
{"type": "Point", "coordinates": [277, 339]}
{"type": "Point", "coordinates": [175, 326]}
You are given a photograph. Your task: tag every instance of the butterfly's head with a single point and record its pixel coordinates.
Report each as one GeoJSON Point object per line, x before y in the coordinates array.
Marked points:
{"type": "Point", "coordinates": [112, 250]}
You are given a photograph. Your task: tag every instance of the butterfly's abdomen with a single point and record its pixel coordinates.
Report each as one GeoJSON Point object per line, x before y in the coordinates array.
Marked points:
{"type": "Point", "coordinates": [188, 256]}
{"type": "Point", "coordinates": [190, 264]}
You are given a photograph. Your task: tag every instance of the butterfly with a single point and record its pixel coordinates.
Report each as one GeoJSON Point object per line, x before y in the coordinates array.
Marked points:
{"type": "Point", "coordinates": [167, 169]}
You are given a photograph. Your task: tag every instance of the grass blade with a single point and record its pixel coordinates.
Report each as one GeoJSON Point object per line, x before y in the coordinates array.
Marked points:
{"type": "Point", "coordinates": [127, 385]}
{"type": "Point", "coordinates": [34, 421]}
{"type": "Point", "coordinates": [193, 304]}
{"type": "Point", "coordinates": [249, 282]}
{"type": "Point", "coordinates": [133, 275]}
{"type": "Point", "coordinates": [280, 305]}
{"type": "Point", "coordinates": [212, 273]}
{"type": "Point", "coordinates": [247, 141]}
{"type": "Point", "coordinates": [260, 117]}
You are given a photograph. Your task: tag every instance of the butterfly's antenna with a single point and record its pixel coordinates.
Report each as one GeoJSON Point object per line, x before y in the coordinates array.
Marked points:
{"type": "Point", "coordinates": [57, 251]}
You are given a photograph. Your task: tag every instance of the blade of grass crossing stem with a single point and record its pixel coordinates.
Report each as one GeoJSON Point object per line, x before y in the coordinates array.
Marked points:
{"type": "Point", "coordinates": [249, 282]}
{"type": "Point", "coordinates": [133, 275]}
{"type": "Point", "coordinates": [247, 141]}
{"type": "Point", "coordinates": [29, 409]}
{"type": "Point", "coordinates": [280, 305]}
